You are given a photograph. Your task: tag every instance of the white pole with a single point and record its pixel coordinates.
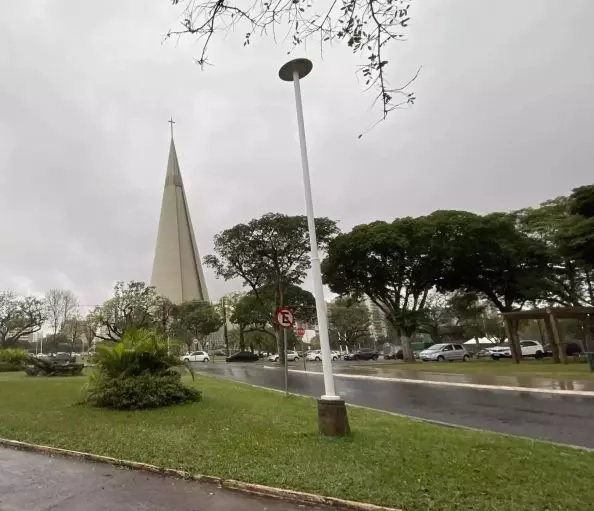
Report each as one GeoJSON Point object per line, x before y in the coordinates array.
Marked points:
{"type": "Point", "coordinates": [330, 393]}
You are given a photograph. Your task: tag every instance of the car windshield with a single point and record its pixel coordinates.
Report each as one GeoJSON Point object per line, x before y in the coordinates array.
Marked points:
{"type": "Point", "coordinates": [436, 347]}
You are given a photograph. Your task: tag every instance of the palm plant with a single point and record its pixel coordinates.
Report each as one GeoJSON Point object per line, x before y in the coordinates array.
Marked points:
{"type": "Point", "coordinates": [139, 352]}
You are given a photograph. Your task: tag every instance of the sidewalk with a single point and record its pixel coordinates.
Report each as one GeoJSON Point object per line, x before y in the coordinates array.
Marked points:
{"type": "Point", "coordinates": [35, 482]}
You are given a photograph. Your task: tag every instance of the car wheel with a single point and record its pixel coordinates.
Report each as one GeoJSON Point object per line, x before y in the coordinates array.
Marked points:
{"type": "Point", "coordinates": [375, 357]}
{"type": "Point", "coordinates": [465, 358]}
{"type": "Point", "coordinates": [538, 355]}
{"type": "Point", "coordinates": [187, 360]}
{"type": "Point", "coordinates": [318, 359]}
{"type": "Point", "coordinates": [205, 360]}
{"type": "Point", "coordinates": [440, 358]}
{"type": "Point", "coordinates": [494, 357]}
{"type": "Point", "coordinates": [334, 358]}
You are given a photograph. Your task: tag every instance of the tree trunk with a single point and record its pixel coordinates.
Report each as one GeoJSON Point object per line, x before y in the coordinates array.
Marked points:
{"type": "Point", "coordinates": [241, 338]}
{"type": "Point", "coordinates": [407, 352]}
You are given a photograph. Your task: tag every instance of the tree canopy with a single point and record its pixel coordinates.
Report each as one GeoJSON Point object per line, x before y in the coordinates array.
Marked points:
{"type": "Point", "coordinates": [488, 255]}
{"type": "Point", "coordinates": [578, 232]}
{"type": "Point", "coordinates": [395, 264]}
{"type": "Point", "coordinates": [269, 255]}
{"type": "Point", "coordinates": [19, 316]}
{"type": "Point", "coordinates": [349, 319]}
{"type": "Point", "coordinates": [134, 305]}
{"type": "Point", "coordinates": [198, 319]}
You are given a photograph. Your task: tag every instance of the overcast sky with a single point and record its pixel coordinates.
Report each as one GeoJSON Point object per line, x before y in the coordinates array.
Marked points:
{"type": "Point", "coordinates": [504, 119]}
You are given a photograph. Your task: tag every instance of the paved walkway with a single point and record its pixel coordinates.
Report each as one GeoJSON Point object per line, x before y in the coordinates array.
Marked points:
{"type": "Point", "coordinates": [35, 482]}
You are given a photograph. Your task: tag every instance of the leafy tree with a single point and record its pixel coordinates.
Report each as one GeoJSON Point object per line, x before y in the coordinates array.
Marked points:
{"type": "Point", "coordinates": [395, 264]}
{"type": "Point", "coordinates": [349, 318]}
{"type": "Point", "coordinates": [578, 232]}
{"type": "Point", "coordinates": [61, 305]}
{"type": "Point", "coordinates": [88, 329]}
{"type": "Point", "coordinates": [73, 329]}
{"type": "Point", "coordinates": [268, 255]}
{"type": "Point", "coordinates": [489, 256]}
{"type": "Point", "coordinates": [198, 319]}
{"type": "Point", "coordinates": [468, 314]}
{"type": "Point", "coordinates": [572, 281]}
{"type": "Point", "coordinates": [19, 316]}
{"type": "Point", "coordinates": [132, 306]}
{"type": "Point", "coordinates": [250, 314]}
{"type": "Point", "coordinates": [253, 312]}
{"type": "Point", "coordinates": [367, 27]}
{"type": "Point", "coordinates": [436, 321]}
{"type": "Point", "coordinates": [163, 312]}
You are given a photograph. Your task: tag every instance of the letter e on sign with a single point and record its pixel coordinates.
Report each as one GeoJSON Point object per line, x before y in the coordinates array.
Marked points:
{"type": "Point", "coordinates": [284, 317]}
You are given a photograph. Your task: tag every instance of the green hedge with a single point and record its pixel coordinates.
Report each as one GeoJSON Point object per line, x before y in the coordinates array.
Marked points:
{"type": "Point", "coordinates": [137, 392]}
{"type": "Point", "coordinates": [12, 359]}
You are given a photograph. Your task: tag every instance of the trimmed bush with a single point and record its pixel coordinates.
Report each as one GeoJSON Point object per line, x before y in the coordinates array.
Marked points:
{"type": "Point", "coordinates": [137, 392]}
{"type": "Point", "coordinates": [138, 373]}
{"type": "Point", "coordinates": [12, 359]}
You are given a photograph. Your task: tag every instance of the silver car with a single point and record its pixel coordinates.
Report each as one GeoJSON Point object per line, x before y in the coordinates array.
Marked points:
{"type": "Point", "coordinates": [441, 352]}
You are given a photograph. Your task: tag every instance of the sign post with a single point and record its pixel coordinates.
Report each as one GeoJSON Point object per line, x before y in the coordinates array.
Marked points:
{"type": "Point", "coordinates": [285, 319]}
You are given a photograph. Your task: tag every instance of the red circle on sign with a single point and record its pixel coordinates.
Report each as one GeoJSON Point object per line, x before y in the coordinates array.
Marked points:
{"type": "Point", "coordinates": [300, 331]}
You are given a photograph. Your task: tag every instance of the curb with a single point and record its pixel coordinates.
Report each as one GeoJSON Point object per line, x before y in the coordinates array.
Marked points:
{"type": "Point", "coordinates": [229, 484]}
{"type": "Point", "coordinates": [481, 386]}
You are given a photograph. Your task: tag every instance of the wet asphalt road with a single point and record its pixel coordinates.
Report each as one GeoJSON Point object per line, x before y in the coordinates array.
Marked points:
{"type": "Point", "coordinates": [35, 482]}
{"type": "Point", "coordinates": [557, 418]}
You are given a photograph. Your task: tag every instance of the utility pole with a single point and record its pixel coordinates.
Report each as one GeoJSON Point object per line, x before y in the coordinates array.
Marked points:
{"type": "Point", "coordinates": [225, 331]}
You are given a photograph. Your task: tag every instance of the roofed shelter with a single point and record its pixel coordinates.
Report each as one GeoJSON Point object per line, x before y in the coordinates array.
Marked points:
{"type": "Point", "coordinates": [550, 316]}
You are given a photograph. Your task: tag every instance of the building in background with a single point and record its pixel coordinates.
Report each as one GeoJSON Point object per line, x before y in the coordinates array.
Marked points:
{"type": "Point", "coordinates": [379, 324]}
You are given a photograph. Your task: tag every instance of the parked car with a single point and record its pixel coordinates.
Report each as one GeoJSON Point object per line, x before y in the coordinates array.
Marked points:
{"type": "Point", "coordinates": [195, 356]}
{"type": "Point", "coordinates": [529, 349]}
{"type": "Point", "coordinates": [316, 355]}
{"type": "Point", "coordinates": [363, 354]}
{"type": "Point", "coordinates": [291, 356]}
{"type": "Point", "coordinates": [444, 351]}
{"type": "Point", "coordinates": [62, 356]}
{"type": "Point", "coordinates": [243, 356]}
{"type": "Point", "coordinates": [397, 354]}
{"type": "Point", "coordinates": [571, 349]}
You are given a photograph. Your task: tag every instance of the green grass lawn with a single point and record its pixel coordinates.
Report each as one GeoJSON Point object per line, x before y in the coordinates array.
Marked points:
{"type": "Point", "coordinates": [260, 436]}
{"type": "Point", "coordinates": [537, 368]}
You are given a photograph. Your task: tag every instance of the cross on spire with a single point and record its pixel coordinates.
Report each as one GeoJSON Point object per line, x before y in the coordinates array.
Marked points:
{"type": "Point", "coordinates": [172, 122]}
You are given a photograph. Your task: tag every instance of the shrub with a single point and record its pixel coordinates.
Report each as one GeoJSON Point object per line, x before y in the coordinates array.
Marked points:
{"type": "Point", "coordinates": [137, 392]}
{"type": "Point", "coordinates": [12, 359]}
{"type": "Point", "coordinates": [138, 373]}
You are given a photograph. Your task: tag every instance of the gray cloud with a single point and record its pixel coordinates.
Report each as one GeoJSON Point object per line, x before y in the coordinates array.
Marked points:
{"type": "Point", "coordinates": [503, 120]}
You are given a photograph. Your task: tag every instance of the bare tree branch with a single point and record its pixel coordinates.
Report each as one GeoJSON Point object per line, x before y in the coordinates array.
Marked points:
{"type": "Point", "coordinates": [368, 27]}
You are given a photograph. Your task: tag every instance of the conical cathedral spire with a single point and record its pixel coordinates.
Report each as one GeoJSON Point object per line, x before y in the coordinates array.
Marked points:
{"type": "Point", "coordinates": [177, 272]}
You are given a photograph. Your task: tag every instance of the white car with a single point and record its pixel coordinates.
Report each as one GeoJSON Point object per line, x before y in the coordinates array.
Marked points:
{"type": "Point", "coordinates": [195, 356]}
{"type": "Point", "coordinates": [291, 356]}
{"type": "Point", "coordinates": [529, 349]}
{"type": "Point", "coordinates": [316, 355]}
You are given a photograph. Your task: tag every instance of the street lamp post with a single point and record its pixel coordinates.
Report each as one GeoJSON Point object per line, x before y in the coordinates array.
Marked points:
{"type": "Point", "coordinates": [332, 414]}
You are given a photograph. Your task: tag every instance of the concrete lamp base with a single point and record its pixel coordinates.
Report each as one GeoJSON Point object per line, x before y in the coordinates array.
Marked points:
{"type": "Point", "coordinates": [332, 417]}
